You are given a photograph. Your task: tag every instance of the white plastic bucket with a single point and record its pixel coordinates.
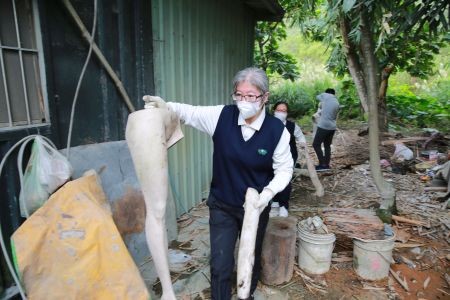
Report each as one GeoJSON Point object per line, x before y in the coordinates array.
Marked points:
{"type": "Point", "coordinates": [314, 251]}
{"type": "Point", "coordinates": [372, 258]}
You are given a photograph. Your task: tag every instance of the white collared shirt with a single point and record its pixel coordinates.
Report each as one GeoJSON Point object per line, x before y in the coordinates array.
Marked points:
{"type": "Point", "coordinates": [205, 118]}
{"type": "Point", "coordinates": [298, 134]}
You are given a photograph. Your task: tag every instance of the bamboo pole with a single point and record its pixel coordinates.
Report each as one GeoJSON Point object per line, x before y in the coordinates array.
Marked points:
{"type": "Point", "coordinates": [313, 174]}
{"type": "Point", "coordinates": [99, 54]}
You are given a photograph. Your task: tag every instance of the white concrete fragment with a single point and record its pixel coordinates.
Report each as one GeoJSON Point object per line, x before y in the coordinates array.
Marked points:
{"type": "Point", "coordinates": [149, 133]}
{"type": "Point", "coordinates": [246, 255]}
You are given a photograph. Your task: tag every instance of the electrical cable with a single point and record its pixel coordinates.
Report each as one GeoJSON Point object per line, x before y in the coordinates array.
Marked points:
{"type": "Point", "coordinates": [83, 70]}
{"type": "Point", "coordinates": [22, 143]}
{"type": "Point", "coordinates": [2, 241]}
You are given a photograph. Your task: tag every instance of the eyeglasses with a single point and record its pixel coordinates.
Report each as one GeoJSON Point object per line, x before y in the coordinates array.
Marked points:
{"type": "Point", "coordinates": [248, 98]}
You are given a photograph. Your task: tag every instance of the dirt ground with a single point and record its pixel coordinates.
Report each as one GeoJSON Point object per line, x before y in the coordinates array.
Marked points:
{"type": "Point", "coordinates": [422, 255]}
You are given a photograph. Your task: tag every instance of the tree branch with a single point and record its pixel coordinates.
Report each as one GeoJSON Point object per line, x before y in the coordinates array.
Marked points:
{"type": "Point", "coordinates": [270, 35]}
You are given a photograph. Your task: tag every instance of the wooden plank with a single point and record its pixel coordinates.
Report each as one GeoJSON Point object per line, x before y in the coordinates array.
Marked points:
{"type": "Point", "coordinates": [400, 245]}
{"type": "Point", "coordinates": [403, 283]}
{"type": "Point", "coordinates": [405, 140]}
{"type": "Point", "coordinates": [435, 189]}
{"type": "Point", "coordinates": [409, 221]}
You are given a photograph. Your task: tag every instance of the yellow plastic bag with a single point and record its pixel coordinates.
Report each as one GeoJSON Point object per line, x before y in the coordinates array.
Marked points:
{"type": "Point", "coordinates": [70, 248]}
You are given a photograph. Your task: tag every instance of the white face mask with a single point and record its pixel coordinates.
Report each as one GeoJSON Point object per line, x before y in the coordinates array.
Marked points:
{"type": "Point", "coordinates": [248, 109]}
{"type": "Point", "coordinates": [280, 115]}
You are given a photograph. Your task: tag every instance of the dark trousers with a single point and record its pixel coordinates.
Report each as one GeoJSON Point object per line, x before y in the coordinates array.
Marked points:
{"type": "Point", "coordinates": [283, 197]}
{"type": "Point", "coordinates": [225, 224]}
{"type": "Point", "coordinates": [323, 136]}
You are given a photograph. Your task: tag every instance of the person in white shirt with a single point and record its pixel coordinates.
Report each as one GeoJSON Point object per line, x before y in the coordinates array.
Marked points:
{"type": "Point", "coordinates": [251, 149]}
{"type": "Point", "coordinates": [281, 111]}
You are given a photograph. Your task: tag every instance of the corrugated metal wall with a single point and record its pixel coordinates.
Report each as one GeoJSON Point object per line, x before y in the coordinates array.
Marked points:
{"type": "Point", "coordinates": [198, 47]}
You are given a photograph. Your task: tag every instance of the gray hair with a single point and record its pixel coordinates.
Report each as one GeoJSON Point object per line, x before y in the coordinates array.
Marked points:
{"type": "Point", "coordinates": [254, 76]}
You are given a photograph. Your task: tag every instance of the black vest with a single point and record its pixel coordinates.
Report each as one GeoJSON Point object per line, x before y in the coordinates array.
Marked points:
{"type": "Point", "coordinates": [240, 164]}
{"type": "Point", "coordinates": [290, 126]}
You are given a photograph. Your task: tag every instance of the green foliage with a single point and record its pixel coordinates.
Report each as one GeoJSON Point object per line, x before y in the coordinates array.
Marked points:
{"type": "Point", "coordinates": [407, 34]}
{"type": "Point", "coordinates": [266, 53]}
{"type": "Point", "coordinates": [440, 90]}
{"type": "Point", "coordinates": [299, 100]}
{"type": "Point", "coordinates": [419, 91]}
{"type": "Point", "coordinates": [301, 95]}
{"type": "Point", "coordinates": [407, 109]}
{"type": "Point", "coordinates": [348, 100]}
{"type": "Point", "coordinates": [304, 51]}
{"type": "Point", "coordinates": [415, 56]}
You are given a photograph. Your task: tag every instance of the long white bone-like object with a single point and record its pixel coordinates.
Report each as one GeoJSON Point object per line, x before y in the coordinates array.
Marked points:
{"type": "Point", "coordinates": [149, 133]}
{"type": "Point", "coordinates": [246, 254]}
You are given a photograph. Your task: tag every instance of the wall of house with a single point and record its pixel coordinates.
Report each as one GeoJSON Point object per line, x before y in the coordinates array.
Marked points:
{"type": "Point", "coordinates": [124, 36]}
{"type": "Point", "coordinates": [199, 45]}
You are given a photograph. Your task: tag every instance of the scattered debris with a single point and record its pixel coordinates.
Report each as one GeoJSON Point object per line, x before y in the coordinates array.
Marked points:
{"type": "Point", "coordinates": [399, 245]}
{"type": "Point", "coordinates": [426, 282]}
{"type": "Point", "coordinates": [348, 209]}
{"type": "Point", "coordinates": [402, 152]}
{"type": "Point", "coordinates": [409, 221]}
{"type": "Point", "coordinates": [348, 223]}
{"type": "Point", "coordinates": [314, 225]}
{"type": "Point", "coordinates": [402, 282]}
{"type": "Point", "coordinates": [316, 284]}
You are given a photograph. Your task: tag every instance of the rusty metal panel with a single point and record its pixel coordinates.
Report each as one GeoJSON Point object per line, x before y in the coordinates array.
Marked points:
{"type": "Point", "coordinates": [198, 47]}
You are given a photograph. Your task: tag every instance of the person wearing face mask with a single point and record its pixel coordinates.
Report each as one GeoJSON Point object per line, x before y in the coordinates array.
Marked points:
{"type": "Point", "coordinates": [251, 149]}
{"type": "Point", "coordinates": [280, 111]}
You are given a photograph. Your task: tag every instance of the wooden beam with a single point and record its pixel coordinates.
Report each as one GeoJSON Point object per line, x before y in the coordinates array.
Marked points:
{"type": "Point", "coordinates": [409, 221]}
{"type": "Point", "coordinates": [405, 140]}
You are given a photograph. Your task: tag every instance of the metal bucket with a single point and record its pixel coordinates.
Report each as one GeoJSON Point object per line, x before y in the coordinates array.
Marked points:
{"type": "Point", "coordinates": [372, 258]}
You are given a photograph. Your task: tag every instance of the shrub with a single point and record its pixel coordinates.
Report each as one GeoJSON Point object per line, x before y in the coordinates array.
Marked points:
{"type": "Point", "coordinates": [417, 111]}
{"type": "Point", "coordinates": [349, 101]}
{"type": "Point", "coordinates": [299, 100]}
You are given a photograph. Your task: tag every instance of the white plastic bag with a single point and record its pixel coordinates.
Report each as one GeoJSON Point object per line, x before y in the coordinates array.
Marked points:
{"type": "Point", "coordinates": [402, 151]}
{"type": "Point", "coordinates": [47, 169]}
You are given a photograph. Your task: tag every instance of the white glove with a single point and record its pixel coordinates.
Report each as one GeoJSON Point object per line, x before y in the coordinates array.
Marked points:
{"type": "Point", "coordinates": [264, 198]}
{"type": "Point", "coordinates": [154, 101]}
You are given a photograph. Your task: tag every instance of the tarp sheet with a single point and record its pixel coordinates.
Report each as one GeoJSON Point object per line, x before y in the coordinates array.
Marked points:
{"type": "Point", "coordinates": [71, 249]}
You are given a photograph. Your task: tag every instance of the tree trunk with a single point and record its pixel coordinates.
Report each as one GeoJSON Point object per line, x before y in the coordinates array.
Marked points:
{"type": "Point", "coordinates": [354, 67]}
{"type": "Point", "coordinates": [382, 108]}
{"type": "Point", "coordinates": [386, 190]}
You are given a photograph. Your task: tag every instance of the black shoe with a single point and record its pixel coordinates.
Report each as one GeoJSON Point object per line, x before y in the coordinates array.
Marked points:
{"type": "Point", "coordinates": [321, 168]}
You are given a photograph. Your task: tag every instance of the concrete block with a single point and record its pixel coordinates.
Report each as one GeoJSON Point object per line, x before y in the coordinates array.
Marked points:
{"type": "Point", "coordinates": [112, 161]}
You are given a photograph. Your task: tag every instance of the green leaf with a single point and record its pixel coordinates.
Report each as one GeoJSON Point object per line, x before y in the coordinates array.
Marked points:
{"type": "Point", "coordinates": [347, 5]}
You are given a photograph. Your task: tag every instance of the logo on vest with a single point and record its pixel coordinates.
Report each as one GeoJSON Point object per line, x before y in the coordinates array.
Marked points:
{"type": "Point", "coordinates": [262, 152]}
